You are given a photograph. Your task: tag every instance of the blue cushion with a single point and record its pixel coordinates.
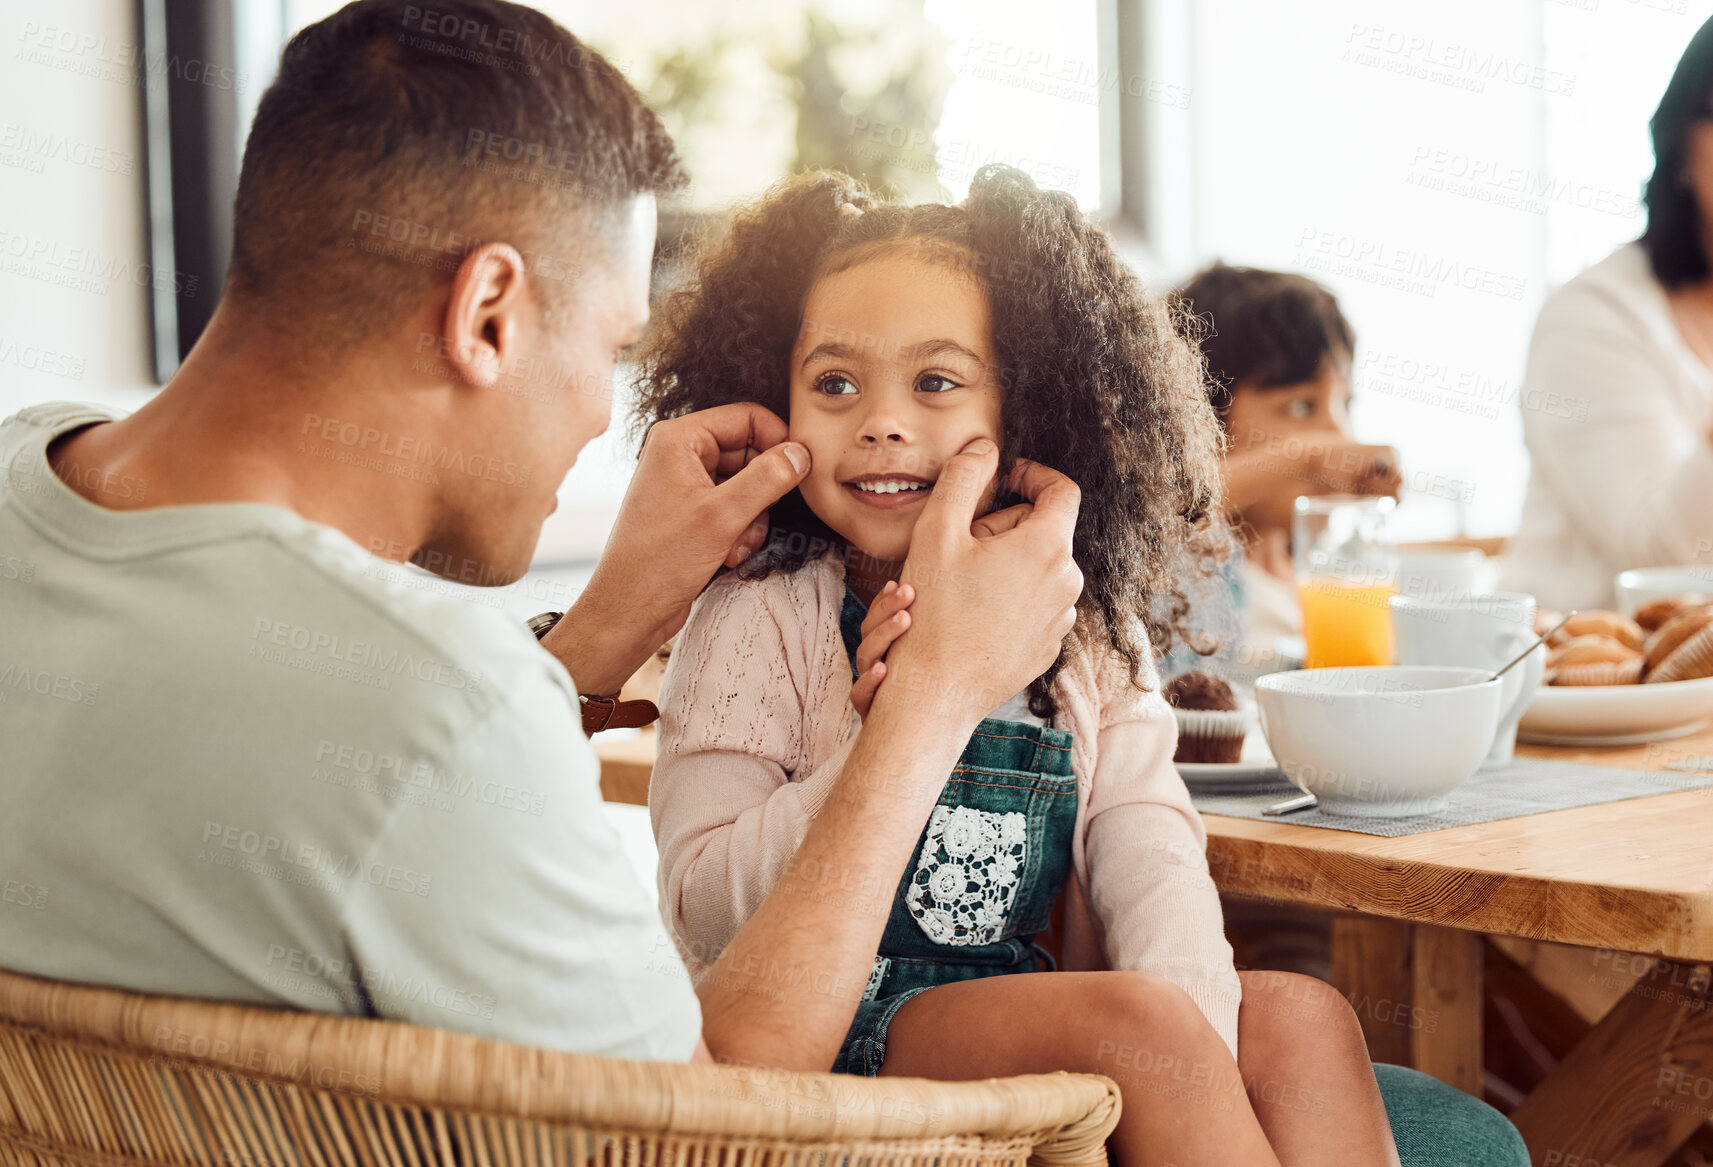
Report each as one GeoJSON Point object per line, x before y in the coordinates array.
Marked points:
{"type": "Point", "coordinates": [1436, 1125]}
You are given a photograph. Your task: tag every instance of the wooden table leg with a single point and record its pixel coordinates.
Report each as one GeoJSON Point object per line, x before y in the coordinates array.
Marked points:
{"type": "Point", "coordinates": [1371, 967]}
{"type": "Point", "coordinates": [1416, 989]}
{"type": "Point", "coordinates": [1638, 1085]}
{"type": "Point", "coordinates": [1447, 1044]}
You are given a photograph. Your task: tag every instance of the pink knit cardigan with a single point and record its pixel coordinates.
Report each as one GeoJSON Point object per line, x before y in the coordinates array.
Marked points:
{"type": "Point", "coordinates": [756, 723]}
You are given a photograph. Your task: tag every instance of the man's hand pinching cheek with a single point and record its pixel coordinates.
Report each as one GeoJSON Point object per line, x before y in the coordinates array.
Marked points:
{"type": "Point", "coordinates": [745, 498]}
{"type": "Point", "coordinates": [966, 482]}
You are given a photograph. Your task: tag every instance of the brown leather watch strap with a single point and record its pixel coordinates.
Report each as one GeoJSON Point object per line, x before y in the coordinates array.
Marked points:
{"type": "Point", "coordinates": [610, 713]}
{"type": "Point", "coordinates": [601, 712]}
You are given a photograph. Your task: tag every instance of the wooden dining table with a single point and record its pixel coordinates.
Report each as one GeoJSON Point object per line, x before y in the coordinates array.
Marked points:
{"type": "Point", "coordinates": [1628, 884]}
{"type": "Point", "coordinates": [1610, 906]}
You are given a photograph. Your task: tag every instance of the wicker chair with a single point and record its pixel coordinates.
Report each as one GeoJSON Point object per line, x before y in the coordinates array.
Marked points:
{"type": "Point", "coordinates": [93, 1077]}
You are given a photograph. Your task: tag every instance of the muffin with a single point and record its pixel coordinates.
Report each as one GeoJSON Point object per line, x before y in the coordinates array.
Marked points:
{"type": "Point", "coordinates": [1670, 639]}
{"type": "Point", "coordinates": [1602, 623]}
{"type": "Point", "coordinates": [1624, 672]}
{"type": "Point", "coordinates": [1211, 724]}
{"type": "Point", "coordinates": [1652, 616]}
{"type": "Point", "coordinates": [1691, 660]}
{"type": "Point", "coordinates": [1594, 659]}
{"type": "Point", "coordinates": [1671, 635]}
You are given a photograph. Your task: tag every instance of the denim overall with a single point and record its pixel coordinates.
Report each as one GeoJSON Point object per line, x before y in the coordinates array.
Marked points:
{"type": "Point", "coordinates": [991, 863]}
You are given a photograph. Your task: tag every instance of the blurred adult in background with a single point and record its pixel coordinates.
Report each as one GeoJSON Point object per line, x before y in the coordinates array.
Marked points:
{"type": "Point", "coordinates": [1618, 395]}
{"type": "Point", "coordinates": [1278, 354]}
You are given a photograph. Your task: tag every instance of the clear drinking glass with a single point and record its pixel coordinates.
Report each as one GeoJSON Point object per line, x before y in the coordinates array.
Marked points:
{"type": "Point", "coordinates": [1347, 572]}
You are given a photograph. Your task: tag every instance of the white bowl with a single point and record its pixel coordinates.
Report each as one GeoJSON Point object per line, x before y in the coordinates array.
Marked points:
{"type": "Point", "coordinates": [1379, 742]}
{"type": "Point", "coordinates": [1643, 585]}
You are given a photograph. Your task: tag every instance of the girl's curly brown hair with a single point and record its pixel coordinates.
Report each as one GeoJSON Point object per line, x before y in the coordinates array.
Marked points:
{"type": "Point", "coordinates": [1097, 382]}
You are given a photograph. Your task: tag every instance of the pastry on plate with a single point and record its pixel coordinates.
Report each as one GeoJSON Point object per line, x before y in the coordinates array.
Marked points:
{"type": "Point", "coordinates": [1624, 672]}
{"type": "Point", "coordinates": [1668, 637]}
{"type": "Point", "coordinates": [1690, 659]}
{"type": "Point", "coordinates": [1594, 659]}
{"type": "Point", "coordinates": [1652, 616]}
{"type": "Point", "coordinates": [1601, 623]}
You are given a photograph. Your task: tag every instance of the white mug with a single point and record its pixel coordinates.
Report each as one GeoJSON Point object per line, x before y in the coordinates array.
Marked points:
{"type": "Point", "coordinates": [1475, 631]}
{"type": "Point", "coordinates": [1443, 573]}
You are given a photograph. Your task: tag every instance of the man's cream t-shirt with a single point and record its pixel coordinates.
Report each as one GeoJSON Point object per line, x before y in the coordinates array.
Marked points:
{"type": "Point", "coordinates": [240, 758]}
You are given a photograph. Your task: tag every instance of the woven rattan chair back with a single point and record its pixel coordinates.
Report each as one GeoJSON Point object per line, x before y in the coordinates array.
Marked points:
{"type": "Point", "coordinates": [93, 1077]}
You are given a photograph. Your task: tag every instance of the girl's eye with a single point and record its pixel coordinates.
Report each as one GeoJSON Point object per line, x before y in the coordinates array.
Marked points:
{"type": "Point", "coordinates": [1299, 408]}
{"type": "Point", "coordinates": [835, 385]}
{"type": "Point", "coordinates": [934, 383]}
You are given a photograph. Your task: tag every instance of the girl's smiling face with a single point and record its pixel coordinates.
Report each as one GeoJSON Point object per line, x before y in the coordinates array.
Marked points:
{"type": "Point", "coordinates": [893, 372]}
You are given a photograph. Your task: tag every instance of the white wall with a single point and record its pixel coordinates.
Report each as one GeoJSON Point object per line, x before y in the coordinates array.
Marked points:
{"type": "Point", "coordinates": [73, 317]}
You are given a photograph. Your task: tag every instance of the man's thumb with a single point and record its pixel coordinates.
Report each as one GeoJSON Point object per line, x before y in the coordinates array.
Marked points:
{"type": "Point", "coordinates": [962, 484]}
{"type": "Point", "coordinates": [765, 480]}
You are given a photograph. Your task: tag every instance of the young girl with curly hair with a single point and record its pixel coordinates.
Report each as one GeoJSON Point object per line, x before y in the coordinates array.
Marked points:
{"type": "Point", "coordinates": [889, 337]}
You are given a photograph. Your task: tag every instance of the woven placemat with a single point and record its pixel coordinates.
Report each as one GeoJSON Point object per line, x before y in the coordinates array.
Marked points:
{"type": "Point", "coordinates": [1526, 786]}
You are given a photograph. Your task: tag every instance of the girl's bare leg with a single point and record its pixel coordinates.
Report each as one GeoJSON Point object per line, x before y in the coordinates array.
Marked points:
{"type": "Point", "coordinates": [1184, 1101]}
{"type": "Point", "coordinates": [1308, 1075]}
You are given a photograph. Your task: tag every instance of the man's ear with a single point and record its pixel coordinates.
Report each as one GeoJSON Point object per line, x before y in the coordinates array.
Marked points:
{"type": "Point", "coordinates": [483, 314]}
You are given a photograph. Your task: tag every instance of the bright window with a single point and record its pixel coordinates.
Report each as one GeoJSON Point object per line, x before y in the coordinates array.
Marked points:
{"type": "Point", "coordinates": [1441, 168]}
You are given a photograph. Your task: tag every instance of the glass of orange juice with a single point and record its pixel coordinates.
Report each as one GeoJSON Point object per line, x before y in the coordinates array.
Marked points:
{"type": "Point", "coordinates": [1347, 570]}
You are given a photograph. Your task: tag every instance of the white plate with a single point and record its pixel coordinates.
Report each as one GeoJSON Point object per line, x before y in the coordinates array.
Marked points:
{"type": "Point", "coordinates": [1254, 765]}
{"type": "Point", "coordinates": [1616, 715]}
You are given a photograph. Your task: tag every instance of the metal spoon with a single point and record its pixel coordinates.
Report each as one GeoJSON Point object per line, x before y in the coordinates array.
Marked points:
{"type": "Point", "coordinates": [1300, 802]}
{"type": "Point", "coordinates": [1522, 656]}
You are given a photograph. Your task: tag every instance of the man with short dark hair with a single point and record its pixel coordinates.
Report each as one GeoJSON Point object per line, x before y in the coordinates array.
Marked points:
{"type": "Point", "coordinates": [248, 760]}
{"type": "Point", "coordinates": [244, 760]}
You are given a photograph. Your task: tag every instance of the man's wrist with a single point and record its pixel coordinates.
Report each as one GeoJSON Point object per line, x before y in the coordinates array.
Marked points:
{"type": "Point", "coordinates": [599, 651]}
{"type": "Point", "coordinates": [899, 766]}
{"type": "Point", "coordinates": [922, 696]}
{"type": "Point", "coordinates": [600, 711]}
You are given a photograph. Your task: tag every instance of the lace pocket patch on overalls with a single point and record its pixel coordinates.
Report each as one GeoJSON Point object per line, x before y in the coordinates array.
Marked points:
{"type": "Point", "coordinates": [876, 975]}
{"type": "Point", "coordinates": [967, 875]}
